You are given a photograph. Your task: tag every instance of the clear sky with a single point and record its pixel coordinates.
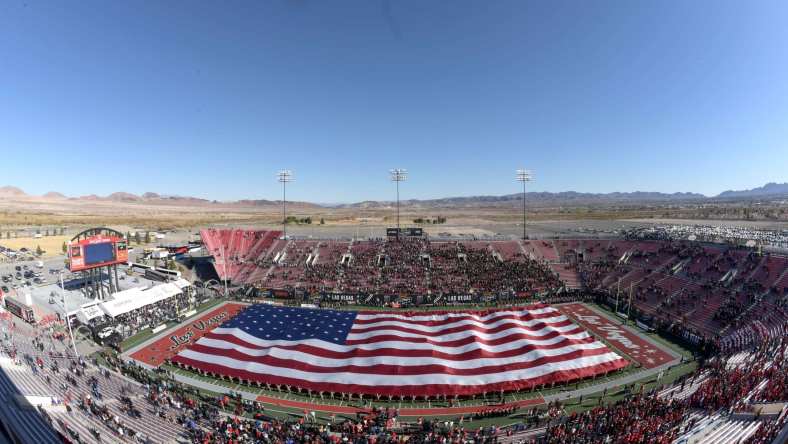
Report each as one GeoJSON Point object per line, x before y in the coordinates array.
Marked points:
{"type": "Point", "coordinates": [210, 99]}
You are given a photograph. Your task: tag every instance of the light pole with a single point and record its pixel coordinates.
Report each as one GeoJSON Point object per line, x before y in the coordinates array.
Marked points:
{"type": "Point", "coordinates": [65, 313]}
{"type": "Point", "coordinates": [398, 175]}
{"type": "Point", "coordinates": [524, 176]}
{"type": "Point", "coordinates": [284, 176]}
{"type": "Point", "coordinates": [224, 266]}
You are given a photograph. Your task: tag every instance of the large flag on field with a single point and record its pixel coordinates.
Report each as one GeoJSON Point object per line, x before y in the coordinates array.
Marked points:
{"type": "Point", "coordinates": [401, 354]}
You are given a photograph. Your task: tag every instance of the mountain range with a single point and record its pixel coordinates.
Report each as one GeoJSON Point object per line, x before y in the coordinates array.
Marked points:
{"type": "Point", "coordinates": [569, 198]}
{"type": "Point", "coordinates": [770, 189]}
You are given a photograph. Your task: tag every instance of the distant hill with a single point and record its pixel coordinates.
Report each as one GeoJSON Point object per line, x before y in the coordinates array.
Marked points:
{"type": "Point", "coordinates": [54, 195]}
{"type": "Point", "coordinates": [538, 199]}
{"type": "Point", "coordinates": [9, 191]}
{"type": "Point", "coordinates": [268, 203]}
{"type": "Point", "coordinates": [533, 199]}
{"type": "Point", "coordinates": [770, 189]}
{"type": "Point", "coordinates": [124, 197]}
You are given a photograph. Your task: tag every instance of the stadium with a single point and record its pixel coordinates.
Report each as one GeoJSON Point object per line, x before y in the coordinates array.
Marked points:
{"type": "Point", "coordinates": [414, 338]}
{"type": "Point", "coordinates": [589, 244]}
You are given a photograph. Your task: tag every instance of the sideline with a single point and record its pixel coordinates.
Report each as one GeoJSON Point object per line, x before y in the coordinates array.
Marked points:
{"type": "Point", "coordinates": [641, 376]}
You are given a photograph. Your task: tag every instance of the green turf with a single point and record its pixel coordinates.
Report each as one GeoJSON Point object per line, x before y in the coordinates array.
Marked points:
{"type": "Point", "coordinates": [572, 405]}
{"type": "Point", "coordinates": [491, 399]}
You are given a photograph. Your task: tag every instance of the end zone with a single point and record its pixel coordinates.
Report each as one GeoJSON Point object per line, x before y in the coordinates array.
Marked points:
{"type": "Point", "coordinates": [163, 346]}
{"type": "Point", "coordinates": [628, 342]}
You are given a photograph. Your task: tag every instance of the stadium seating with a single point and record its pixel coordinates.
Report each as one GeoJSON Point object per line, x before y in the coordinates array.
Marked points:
{"type": "Point", "coordinates": [415, 266]}
{"type": "Point", "coordinates": [713, 290]}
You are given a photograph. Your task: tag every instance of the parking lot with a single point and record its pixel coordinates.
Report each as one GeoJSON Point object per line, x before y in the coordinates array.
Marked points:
{"type": "Point", "coordinates": [18, 274]}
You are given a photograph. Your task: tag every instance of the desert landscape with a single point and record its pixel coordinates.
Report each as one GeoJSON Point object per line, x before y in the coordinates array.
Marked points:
{"type": "Point", "coordinates": [547, 213]}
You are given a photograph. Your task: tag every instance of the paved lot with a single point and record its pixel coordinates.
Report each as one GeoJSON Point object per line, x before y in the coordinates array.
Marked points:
{"type": "Point", "coordinates": [8, 269]}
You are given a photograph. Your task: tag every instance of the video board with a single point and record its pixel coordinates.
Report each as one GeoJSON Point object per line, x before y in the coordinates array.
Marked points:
{"type": "Point", "coordinates": [97, 251]}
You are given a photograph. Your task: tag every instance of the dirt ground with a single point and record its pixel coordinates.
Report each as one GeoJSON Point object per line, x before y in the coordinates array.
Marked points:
{"type": "Point", "coordinates": [52, 245]}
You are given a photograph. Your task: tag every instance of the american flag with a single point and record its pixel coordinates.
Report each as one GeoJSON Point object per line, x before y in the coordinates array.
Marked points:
{"type": "Point", "coordinates": [401, 354]}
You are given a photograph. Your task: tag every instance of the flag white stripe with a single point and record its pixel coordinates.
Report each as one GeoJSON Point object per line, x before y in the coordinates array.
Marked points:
{"type": "Point", "coordinates": [246, 337]}
{"type": "Point", "coordinates": [389, 380]}
{"type": "Point", "coordinates": [442, 316]}
{"type": "Point", "coordinates": [399, 360]}
{"type": "Point", "coordinates": [462, 334]}
{"type": "Point", "coordinates": [356, 336]}
{"type": "Point", "coordinates": [461, 323]}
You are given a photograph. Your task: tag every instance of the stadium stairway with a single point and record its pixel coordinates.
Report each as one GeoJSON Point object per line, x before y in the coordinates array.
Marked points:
{"type": "Point", "coordinates": [726, 431]}
{"type": "Point", "coordinates": [568, 275]}
{"type": "Point", "coordinates": [23, 425]}
{"type": "Point", "coordinates": [521, 436]}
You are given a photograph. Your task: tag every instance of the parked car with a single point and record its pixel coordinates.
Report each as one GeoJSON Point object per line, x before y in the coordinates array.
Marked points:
{"type": "Point", "coordinates": [106, 332]}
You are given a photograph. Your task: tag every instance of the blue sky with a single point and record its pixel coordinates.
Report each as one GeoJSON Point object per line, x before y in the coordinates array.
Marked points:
{"type": "Point", "coordinates": [211, 98]}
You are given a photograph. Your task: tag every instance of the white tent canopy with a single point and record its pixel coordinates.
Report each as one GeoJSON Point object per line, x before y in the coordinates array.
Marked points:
{"type": "Point", "coordinates": [134, 298]}
{"type": "Point", "coordinates": [88, 312]}
{"type": "Point", "coordinates": [181, 283]}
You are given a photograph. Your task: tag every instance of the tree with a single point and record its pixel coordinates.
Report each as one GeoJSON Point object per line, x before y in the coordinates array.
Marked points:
{"type": "Point", "coordinates": [47, 232]}
{"type": "Point", "coordinates": [137, 239]}
{"type": "Point", "coordinates": [65, 247]}
{"type": "Point", "coordinates": [39, 251]}
{"type": "Point", "coordinates": [322, 221]}
{"type": "Point", "coordinates": [147, 237]}
{"type": "Point", "coordinates": [128, 237]}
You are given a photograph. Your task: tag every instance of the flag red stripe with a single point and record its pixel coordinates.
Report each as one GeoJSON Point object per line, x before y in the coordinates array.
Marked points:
{"type": "Point", "coordinates": [361, 353]}
{"type": "Point", "coordinates": [462, 328]}
{"type": "Point", "coordinates": [452, 320]}
{"type": "Point", "coordinates": [410, 390]}
{"type": "Point", "coordinates": [536, 306]}
{"type": "Point", "coordinates": [385, 369]}
{"type": "Point", "coordinates": [453, 343]}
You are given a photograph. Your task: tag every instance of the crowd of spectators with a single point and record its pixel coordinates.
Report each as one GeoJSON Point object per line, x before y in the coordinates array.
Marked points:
{"type": "Point", "coordinates": [152, 315]}
{"type": "Point", "coordinates": [728, 296]}
{"type": "Point", "coordinates": [413, 266]}
{"type": "Point", "coordinates": [654, 418]}
{"type": "Point", "coordinates": [640, 417]}
{"type": "Point", "coordinates": [722, 385]}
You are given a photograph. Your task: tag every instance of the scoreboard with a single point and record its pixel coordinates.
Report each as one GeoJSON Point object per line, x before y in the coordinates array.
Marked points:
{"type": "Point", "coordinates": [409, 232]}
{"type": "Point", "coordinates": [97, 251]}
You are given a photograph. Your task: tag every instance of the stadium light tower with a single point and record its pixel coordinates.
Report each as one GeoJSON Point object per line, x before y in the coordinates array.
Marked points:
{"type": "Point", "coordinates": [224, 266]}
{"type": "Point", "coordinates": [398, 175]}
{"type": "Point", "coordinates": [524, 176]}
{"type": "Point", "coordinates": [284, 176]}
